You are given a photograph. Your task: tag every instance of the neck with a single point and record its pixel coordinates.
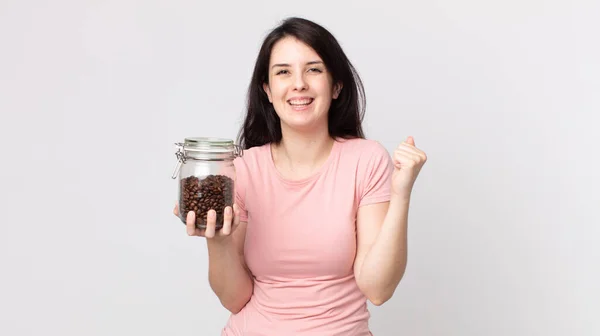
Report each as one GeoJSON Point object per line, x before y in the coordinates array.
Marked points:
{"type": "Point", "coordinates": [300, 154]}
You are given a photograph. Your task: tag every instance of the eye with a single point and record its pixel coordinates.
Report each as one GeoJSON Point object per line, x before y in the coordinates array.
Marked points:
{"type": "Point", "coordinates": [317, 70]}
{"type": "Point", "coordinates": [280, 72]}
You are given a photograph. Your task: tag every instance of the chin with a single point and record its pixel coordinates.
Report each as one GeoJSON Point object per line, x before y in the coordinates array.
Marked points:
{"type": "Point", "coordinates": [305, 124]}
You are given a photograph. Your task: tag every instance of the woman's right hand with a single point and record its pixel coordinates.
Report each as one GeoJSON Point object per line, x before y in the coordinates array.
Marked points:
{"type": "Point", "coordinates": [231, 220]}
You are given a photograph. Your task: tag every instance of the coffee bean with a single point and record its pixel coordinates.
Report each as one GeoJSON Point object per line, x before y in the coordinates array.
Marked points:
{"type": "Point", "coordinates": [201, 195]}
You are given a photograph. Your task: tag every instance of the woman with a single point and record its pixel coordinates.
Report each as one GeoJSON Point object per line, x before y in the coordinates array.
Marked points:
{"type": "Point", "coordinates": [320, 220]}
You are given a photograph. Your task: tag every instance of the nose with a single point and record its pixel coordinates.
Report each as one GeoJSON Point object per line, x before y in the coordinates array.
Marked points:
{"type": "Point", "coordinates": [300, 82]}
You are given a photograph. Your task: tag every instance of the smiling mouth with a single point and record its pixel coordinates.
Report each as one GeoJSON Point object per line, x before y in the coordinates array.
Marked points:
{"type": "Point", "coordinates": [300, 102]}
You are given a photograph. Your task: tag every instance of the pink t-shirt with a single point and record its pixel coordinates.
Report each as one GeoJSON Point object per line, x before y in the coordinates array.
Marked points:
{"type": "Point", "coordinates": [301, 241]}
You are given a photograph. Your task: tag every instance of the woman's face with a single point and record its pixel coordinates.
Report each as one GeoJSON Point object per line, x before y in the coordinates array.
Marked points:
{"type": "Point", "coordinates": [300, 87]}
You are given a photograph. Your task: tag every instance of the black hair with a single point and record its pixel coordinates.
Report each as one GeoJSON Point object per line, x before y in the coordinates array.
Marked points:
{"type": "Point", "coordinates": [262, 125]}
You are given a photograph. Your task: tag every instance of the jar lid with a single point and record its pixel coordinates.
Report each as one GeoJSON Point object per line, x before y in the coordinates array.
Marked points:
{"type": "Point", "coordinates": [205, 149]}
{"type": "Point", "coordinates": [209, 144]}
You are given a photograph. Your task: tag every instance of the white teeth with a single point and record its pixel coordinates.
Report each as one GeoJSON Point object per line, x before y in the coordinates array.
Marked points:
{"type": "Point", "coordinates": [301, 101]}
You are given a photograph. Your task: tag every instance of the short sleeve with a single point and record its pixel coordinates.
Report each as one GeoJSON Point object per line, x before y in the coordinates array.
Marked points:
{"type": "Point", "coordinates": [376, 176]}
{"type": "Point", "coordinates": [241, 182]}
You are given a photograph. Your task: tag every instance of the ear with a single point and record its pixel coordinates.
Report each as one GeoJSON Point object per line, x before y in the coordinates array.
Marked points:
{"type": "Point", "coordinates": [337, 88]}
{"type": "Point", "coordinates": [267, 91]}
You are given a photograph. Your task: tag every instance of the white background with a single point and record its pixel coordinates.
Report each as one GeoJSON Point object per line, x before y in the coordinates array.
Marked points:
{"type": "Point", "coordinates": [503, 96]}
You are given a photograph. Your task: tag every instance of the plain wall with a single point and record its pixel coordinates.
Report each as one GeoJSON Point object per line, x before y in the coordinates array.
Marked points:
{"type": "Point", "coordinates": [503, 96]}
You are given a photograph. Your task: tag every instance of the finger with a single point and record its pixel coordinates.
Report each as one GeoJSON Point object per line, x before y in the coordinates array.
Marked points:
{"type": "Point", "coordinates": [408, 146]}
{"type": "Point", "coordinates": [176, 210]}
{"type": "Point", "coordinates": [410, 140]}
{"type": "Point", "coordinates": [406, 154]}
{"type": "Point", "coordinates": [227, 217]}
{"type": "Point", "coordinates": [190, 223]}
{"type": "Point", "coordinates": [210, 224]}
{"type": "Point", "coordinates": [236, 216]}
{"type": "Point", "coordinates": [412, 149]}
{"type": "Point", "coordinates": [407, 160]}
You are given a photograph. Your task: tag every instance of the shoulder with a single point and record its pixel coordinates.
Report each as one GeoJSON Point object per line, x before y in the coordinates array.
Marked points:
{"type": "Point", "coordinates": [252, 158]}
{"type": "Point", "coordinates": [247, 167]}
{"type": "Point", "coordinates": [373, 169]}
{"type": "Point", "coordinates": [363, 149]}
{"type": "Point", "coordinates": [372, 163]}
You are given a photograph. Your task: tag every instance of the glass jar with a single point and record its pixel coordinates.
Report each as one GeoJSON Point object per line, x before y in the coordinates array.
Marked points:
{"type": "Point", "coordinates": [206, 177]}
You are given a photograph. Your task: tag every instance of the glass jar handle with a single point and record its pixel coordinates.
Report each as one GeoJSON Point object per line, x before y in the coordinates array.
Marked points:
{"type": "Point", "coordinates": [180, 160]}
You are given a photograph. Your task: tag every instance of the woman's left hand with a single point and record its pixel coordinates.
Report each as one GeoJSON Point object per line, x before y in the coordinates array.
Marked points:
{"type": "Point", "coordinates": [408, 161]}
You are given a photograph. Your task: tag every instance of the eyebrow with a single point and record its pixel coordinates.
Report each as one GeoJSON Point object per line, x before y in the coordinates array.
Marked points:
{"type": "Point", "coordinates": [287, 65]}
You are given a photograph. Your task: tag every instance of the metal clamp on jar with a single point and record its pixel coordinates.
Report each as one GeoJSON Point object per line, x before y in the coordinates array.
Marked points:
{"type": "Point", "coordinates": [206, 177]}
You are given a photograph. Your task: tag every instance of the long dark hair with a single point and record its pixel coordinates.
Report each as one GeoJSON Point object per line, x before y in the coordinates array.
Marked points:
{"type": "Point", "coordinates": [262, 125]}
